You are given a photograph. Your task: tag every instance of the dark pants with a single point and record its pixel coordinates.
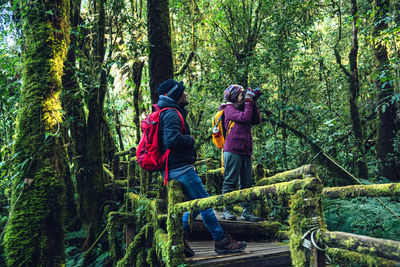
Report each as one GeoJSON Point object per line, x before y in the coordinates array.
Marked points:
{"type": "Point", "coordinates": [237, 169]}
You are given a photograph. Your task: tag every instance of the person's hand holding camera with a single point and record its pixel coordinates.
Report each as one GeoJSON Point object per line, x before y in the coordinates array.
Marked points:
{"type": "Point", "coordinates": [250, 95]}
{"type": "Point", "coordinates": [257, 92]}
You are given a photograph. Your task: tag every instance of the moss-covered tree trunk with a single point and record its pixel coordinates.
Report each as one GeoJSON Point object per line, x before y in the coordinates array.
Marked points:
{"type": "Point", "coordinates": [159, 34]}
{"type": "Point", "coordinates": [35, 231]}
{"type": "Point", "coordinates": [386, 109]}
{"type": "Point", "coordinates": [91, 189]}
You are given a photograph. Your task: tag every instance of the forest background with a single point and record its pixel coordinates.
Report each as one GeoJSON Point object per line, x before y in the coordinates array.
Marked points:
{"type": "Point", "coordinates": [328, 70]}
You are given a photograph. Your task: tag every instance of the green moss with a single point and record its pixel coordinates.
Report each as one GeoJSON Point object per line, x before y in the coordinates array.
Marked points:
{"type": "Point", "coordinates": [140, 258]}
{"type": "Point", "coordinates": [299, 173]}
{"type": "Point", "coordinates": [352, 191]}
{"type": "Point", "coordinates": [305, 206]}
{"type": "Point", "coordinates": [35, 234]}
{"type": "Point", "coordinates": [175, 254]}
{"type": "Point", "coordinates": [161, 240]}
{"type": "Point", "coordinates": [151, 259]}
{"type": "Point", "coordinates": [349, 258]}
{"type": "Point", "coordinates": [135, 247]}
{"type": "Point", "coordinates": [254, 193]}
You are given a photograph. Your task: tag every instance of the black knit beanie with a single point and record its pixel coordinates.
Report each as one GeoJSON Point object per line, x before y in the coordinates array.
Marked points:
{"type": "Point", "coordinates": [171, 88]}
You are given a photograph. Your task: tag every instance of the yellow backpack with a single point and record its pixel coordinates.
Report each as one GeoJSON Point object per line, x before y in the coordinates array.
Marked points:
{"type": "Point", "coordinates": [218, 129]}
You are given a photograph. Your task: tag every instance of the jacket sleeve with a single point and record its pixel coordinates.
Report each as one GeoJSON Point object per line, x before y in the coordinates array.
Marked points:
{"type": "Point", "coordinates": [256, 119]}
{"type": "Point", "coordinates": [236, 115]}
{"type": "Point", "coordinates": [173, 138]}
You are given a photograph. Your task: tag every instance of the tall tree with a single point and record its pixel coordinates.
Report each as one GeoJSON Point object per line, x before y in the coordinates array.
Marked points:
{"type": "Point", "coordinates": [87, 130]}
{"type": "Point", "coordinates": [159, 34]}
{"type": "Point", "coordinates": [35, 231]}
{"type": "Point", "coordinates": [354, 89]}
{"type": "Point", "coordinates": [386, 108]}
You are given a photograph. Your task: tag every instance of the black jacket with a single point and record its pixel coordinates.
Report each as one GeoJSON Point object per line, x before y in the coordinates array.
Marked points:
{"type": "Point", "coordinates": [182, 148]}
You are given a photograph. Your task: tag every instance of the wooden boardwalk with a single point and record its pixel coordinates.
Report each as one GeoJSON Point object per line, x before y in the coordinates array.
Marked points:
{"type": "Point", "coordinates": [257, 253]}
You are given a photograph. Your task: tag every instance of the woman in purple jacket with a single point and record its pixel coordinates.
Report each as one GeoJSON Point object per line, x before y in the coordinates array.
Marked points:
{"type": "Point", "coordinates": [241, 109]}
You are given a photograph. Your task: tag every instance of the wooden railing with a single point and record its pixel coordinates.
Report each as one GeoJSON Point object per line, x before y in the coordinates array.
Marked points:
{"type": "Point", "coordinates": [158, 222]}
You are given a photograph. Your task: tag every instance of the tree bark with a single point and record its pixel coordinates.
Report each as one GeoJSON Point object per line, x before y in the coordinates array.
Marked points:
{"type": "Point", "coordinates": [91, 189]}
{"type": "Point", "coordinates": [137, 79]}
{"type": "Point", "coordinates": [386, 109]}
{"type": "Point", "coordinates": [72, 101]}
{"type": "Point", "coordinates": [159, 34]}
{"type": "Point", "coordinates": [35, 232]}
{"type": "Point", "coordinates": [354, 88]}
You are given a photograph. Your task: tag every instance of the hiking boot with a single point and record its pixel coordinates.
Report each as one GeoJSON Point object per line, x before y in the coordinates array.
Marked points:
{"type": "Point", "coordinates": [187, 250]}
{"type": "Point", "coordinates": [228, 245]}
{"type": "Point", "coordinates": [228, 215]}
{"type": "Point", "coordinates": [247, 215]}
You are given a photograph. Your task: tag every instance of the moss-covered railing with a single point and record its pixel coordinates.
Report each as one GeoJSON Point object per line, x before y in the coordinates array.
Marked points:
{"type": "Point", "coordinates": [305, 212]}
{"type": "Point", "coordinates": [357, 249]}
{"type": "Point", "coordinates": [156, 224]}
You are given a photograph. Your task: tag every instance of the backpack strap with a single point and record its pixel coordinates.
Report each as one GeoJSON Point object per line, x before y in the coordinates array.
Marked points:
{"type": "Point", "coordinates": [165, 157]}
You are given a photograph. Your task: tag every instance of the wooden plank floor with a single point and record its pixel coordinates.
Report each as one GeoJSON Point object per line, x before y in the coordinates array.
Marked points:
{"type": "Point", "coordinates": [255, 255]}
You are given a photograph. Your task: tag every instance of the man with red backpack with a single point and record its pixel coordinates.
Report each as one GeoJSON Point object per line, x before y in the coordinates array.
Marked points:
{"type": "Point", "coordinates": [182, 155]}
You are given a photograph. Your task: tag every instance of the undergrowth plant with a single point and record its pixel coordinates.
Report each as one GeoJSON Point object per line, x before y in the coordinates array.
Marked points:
{"type": "Point", "coordinates": [364, 216]}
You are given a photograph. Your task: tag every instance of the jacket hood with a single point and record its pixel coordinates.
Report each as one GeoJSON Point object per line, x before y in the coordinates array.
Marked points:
{"type": "Point", "coordinates": [165, 102]}
{"type": "Point", "coordinates": [223, 105]}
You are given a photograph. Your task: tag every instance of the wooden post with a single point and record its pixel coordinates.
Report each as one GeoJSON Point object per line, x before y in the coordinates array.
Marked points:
{"type": "Point", "coordinates": [144, 182]}
{"type": "Point", "coordinates": [174, 226]}
{"type": "Point", "coordinates": [305, 217]}
{"type": "Point", "coordinates": [115, 166]}
{"type": "Point", "coordinates": [130, 228]}
{"type": "Point", "coordinates": [131, 170]}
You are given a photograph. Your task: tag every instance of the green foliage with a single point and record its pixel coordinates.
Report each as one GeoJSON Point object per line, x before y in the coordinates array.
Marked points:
{"type": "Point", "coordinates": [363, 216]}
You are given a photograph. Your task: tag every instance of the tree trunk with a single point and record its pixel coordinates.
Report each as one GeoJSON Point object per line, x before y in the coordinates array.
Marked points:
{"type": "Point", "coordinates": [91, 189]}
{"type": "Point", "coordinates": [354, 88]}
{"type": "Point", "coordinates": [137, 69]}
{"type": "Point", "coordinates": [159, 34]}
{"type": "Point", "coordinates": [386, 109]}
{"type": "Point", "coordinates": [73, 105]}
{"type": "Point", "coordinates": [35, 232]}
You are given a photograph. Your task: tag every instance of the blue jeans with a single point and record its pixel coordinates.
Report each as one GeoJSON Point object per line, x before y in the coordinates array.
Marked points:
{"type": "Point", "coordinates": [193, 189]}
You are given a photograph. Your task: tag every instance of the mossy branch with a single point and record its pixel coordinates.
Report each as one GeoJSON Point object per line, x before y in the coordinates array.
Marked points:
{"type": "Point", "coordinates": [384, 248]}
{"type": "Point", "coordinates": [299, 173]}
{"type": "Point", "coordinates": [125, 152]}
{"type": "Point", "coordinates": [185, 65]}
{"type": "Point", "coordinates": [249, 194]}
{"type": "Point", "coordinates": [345, 257]}
{"type": "Point", "coordinates": [353, 191]}
{"type": "Point", "coordinates": [108, 172]}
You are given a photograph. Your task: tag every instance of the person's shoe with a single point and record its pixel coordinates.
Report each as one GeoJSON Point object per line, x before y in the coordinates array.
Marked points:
{"type": "Point", "coordinates": [228, 215]}
{"type": "Point", "coordinates": [188, 251]}
{"type": "Point", "coordinates": [228, 245]}
{"type": "Point", "coordinates": [248, 216]}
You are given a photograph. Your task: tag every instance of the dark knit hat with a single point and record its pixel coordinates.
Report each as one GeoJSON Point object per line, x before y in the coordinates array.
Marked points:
{"type": "Point", "coordinates": [171, 88]}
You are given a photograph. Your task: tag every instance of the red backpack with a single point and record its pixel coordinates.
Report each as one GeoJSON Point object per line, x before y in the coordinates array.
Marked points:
{"type": "Point", "coordinates": [148, 153]}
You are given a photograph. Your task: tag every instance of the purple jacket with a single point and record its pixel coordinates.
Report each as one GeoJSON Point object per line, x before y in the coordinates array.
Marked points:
{"type": "Point", "coordinates": [239, 140]}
